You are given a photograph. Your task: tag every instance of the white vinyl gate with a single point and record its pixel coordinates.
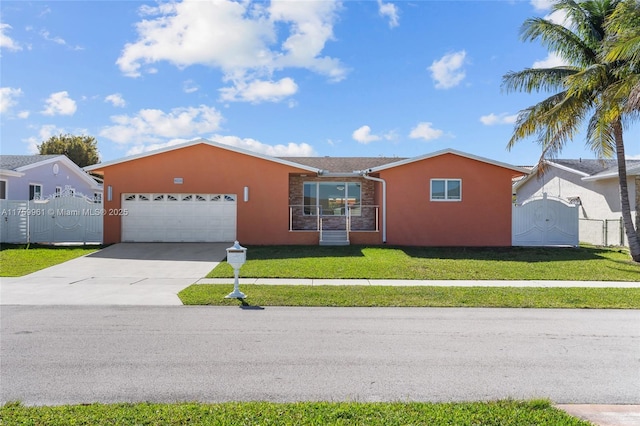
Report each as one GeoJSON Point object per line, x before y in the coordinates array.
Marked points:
{"type": "Point", "coordinates": [66, 218]}
{"type": "Point", "coordinates": [545, 221]}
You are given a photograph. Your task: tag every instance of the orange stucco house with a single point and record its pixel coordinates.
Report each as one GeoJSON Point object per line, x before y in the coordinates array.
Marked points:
{"type": "Point", "coordinates": [206, 191]}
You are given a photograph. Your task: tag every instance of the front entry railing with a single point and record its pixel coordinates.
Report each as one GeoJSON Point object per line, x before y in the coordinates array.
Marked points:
{"type": "Point", "coordinates": [358, 218]}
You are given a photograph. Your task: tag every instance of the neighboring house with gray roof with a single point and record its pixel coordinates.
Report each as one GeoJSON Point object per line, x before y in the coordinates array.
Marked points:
{"type": "Point", "coordinates": [594, 186]}
{"type": "Point", "coordinates": [28, 177]}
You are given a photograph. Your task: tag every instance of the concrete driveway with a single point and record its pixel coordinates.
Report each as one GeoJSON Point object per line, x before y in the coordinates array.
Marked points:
{"type": "Point", "coordinates": [121, 274]}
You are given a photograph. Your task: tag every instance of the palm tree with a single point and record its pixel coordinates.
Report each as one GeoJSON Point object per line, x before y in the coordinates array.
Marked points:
{"type": "Point", "coordinates": [582, 92]}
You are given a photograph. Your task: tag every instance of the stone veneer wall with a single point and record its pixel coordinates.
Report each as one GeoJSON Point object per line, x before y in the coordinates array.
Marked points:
{"type": "Point", "coordinates": [365, 222]}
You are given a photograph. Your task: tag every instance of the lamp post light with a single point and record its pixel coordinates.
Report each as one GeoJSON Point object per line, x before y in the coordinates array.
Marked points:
{"type": "Point", "coordinates": [236, 257]}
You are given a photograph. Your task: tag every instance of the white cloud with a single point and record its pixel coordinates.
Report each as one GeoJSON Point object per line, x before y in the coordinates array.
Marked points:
{"type": "Point", "coordinates": [289, 150]}
{"type": "Point", "coordinates": [504, 118]}
{"type": "Point", "coordinates": [389, 10]}
{"type": "Point", "coordinates": [311, 26]}
{"type": "Point", "coordinates": [47, 36]}
{"type": "Point", "coordinates": [557, 17]}
{"type": "Point", "coordinates": [259, 91]}
{"type": "Point", "coordinates": [447, 71]}
{"type": "Point", "coordinates": [44, 133]}
{"type": "Point", "coordinates": [560, 17]}
{"type": "Point", "coordinates": [116, 100]}
{"type": "Point", "coordinates": [240, 38]}
{"type": "Point", "coordinates": [57, 40]}
{"type": "Point", "coordinates": [425, 131]}
{"type": "Point", "coordinates": [139, 149]}
{"type": "Point", "coordinates": [8, 97]}
{"type": "Point", "coordinates": [154, 125]}
{"type": "Point", "coordinates": [363, 135]}
{"type": "Point", "coordinates": [552, 60]}
{"type": "Point", "coordinates": [542, 5]}
{"type": "Point", "coordinates": [7, 42]}
{"type": "Point", "coordinates": [45, 11]}
{"type": "Point", "coordinates": [60, 103]}
{"type": "Point", "coordinates": [189, 86]}
{"type": "Point", "coordinates": [222, 34]}
{"type": "Point", "coordinates": [24, 114]}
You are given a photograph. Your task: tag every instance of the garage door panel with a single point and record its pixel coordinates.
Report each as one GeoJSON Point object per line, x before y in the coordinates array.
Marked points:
{"type": "Point", "coordinates": [174, 217]}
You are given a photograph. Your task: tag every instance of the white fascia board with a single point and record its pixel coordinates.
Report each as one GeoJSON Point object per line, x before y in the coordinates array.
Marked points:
{"type": "Point", "coordinates": [100, 166]}
{"type": "Point", "coordinates": [10, 173]}
{"type": "Point", "coordinates": [525, 179]}
{"type": "Point", "coordinates": [568, 169]}
{"type": "Point", "coordinates": [534, 172]}
{"type": "Point", "coordinates": [450, 151]}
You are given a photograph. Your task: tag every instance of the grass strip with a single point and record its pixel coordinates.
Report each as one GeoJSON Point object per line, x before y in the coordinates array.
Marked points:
{"type": "Point", "coordinates": [439, 263]}
{"type": "Point", "coordinates": [17, 260]}
{"type": "Point", "coordinates": [503, 413]}
{"type": "Point", "coordinates": [416, 296]}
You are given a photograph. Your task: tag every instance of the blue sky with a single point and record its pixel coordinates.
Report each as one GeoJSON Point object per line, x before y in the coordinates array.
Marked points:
{"type": "Point", "coordinates": [283, 78]}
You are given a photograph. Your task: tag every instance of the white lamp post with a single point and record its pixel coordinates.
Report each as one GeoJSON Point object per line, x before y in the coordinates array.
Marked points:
{"type": "Point", "coordinates": [236, 257]}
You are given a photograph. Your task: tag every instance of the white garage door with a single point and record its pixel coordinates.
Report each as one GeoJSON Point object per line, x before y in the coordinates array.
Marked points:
{"type": "Point", "coordinates": [178, 217]}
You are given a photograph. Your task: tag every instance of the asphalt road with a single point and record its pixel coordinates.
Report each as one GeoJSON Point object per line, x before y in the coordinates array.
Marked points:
{"type": "Point", "coordinates": [81, 354]}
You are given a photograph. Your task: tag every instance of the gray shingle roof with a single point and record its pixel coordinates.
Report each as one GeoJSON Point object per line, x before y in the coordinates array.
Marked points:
{"type": "Point", "coordinates": [12, 162]}
{"type": "Point", "coordinates": [593, 167]}
{"type": "Point", "coordinates": [342, 164]}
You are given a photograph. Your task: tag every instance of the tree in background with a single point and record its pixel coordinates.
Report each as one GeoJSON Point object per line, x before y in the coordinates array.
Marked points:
{"type": "Point", "coordinates": [82, 150]}
{"type": "Point", "coordinates": [587, 90]}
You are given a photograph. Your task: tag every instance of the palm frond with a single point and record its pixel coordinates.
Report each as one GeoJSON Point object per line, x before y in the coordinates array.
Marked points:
{"type": "Point", "coordinates": [531, 120]}
{"type": "Point", "coordinates": [584, 17]}
{"type": "Point", "coordinates": [627, 48]}
{"type": "Point", "coordinates": [559, 39]}
{"type": "Point", "coordinates": [537, 79]}
{"type": "Point", "coordinates": [600, 137]}
{"type": "Point", "coordinates": [562, 123]}
{"type": "Point", "coordinates": [633, 103]}
{"type": "Point", "coordinates": [589, 81]}
{"type": "Point", "coordinates": [623, 33]}
{"type": "Point", "coordinates": [625, 92]}
{"type": "Point", "coordinates": [625, 17]}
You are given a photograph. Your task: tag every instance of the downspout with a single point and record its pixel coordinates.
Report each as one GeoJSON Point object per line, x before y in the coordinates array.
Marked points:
{"type": "Point", "coordinates": [384, 202]}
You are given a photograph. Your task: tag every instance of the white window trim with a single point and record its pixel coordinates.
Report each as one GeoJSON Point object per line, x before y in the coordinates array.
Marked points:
{"type": "Point", "coordinates": [445, 199]}
{"type": "Point", "coordinates": [41, 189]}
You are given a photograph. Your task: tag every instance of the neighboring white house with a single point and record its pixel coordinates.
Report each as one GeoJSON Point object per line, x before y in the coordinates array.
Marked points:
{"type": "Point", "coordinates": [593, 185]}
{"type": "Point", "coordinates": [28, 177]}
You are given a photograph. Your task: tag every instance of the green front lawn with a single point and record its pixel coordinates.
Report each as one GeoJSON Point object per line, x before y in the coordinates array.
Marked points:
{"type": "Point", "coordinates": [418, 296]}
{"type": "Point", "coordinates": [17, 260]}
{"type": "Point", "coordinates": [428, 263]}
{"type": "Point", "coordinates": [503, 413]}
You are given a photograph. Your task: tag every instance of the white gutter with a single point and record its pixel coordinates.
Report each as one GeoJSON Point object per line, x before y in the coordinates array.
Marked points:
{"type": "Point", "coordinates": [325, 173]}
{"type": "Point", "coordinates": [384, 203]}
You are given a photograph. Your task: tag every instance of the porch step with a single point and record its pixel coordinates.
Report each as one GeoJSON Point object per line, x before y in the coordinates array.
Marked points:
{"type": "Point", "coordinates": [334, 238]}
